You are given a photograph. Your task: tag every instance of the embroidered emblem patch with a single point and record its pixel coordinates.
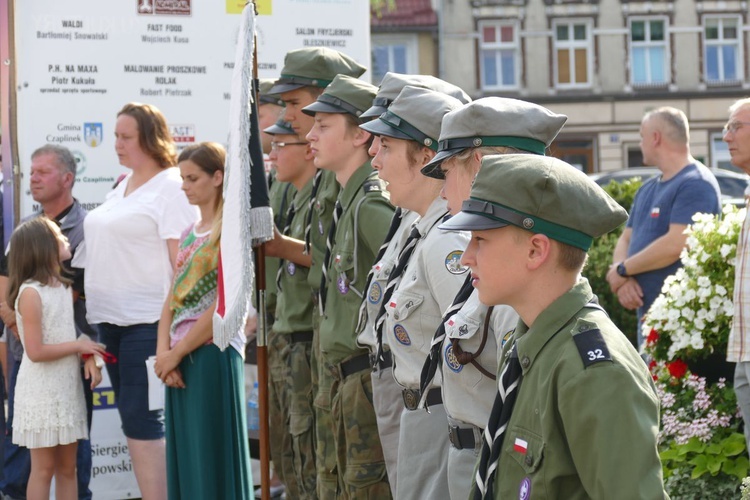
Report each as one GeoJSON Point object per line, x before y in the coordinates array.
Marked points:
{"type": "Point", "coordinates": [343, 284]}
{"type": "Point", "coordinates": [291, 268]}
{"type": "Point", "coordinates": [453, 262]}
{"type": "Point", "coordinates": [506, 337]}
{"type": "Point", "coordinates": [376, 291]}
{"type": "Point", "coordinates": [450, 359]}
{"type": "Point", "coordinates": [524, 490]}
{"type": "Point", "coordinates": [401, 335]}
{"type": "Point", "coordinates": [463, 330]}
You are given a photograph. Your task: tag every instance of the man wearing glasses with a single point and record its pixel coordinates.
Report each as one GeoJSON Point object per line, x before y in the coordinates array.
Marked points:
{"type": "Point", "coordinates": [649, 248]}
{"type": "Point", "coordinates": [737, 137]}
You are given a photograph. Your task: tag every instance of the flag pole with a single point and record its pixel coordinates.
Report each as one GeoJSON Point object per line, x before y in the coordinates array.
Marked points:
{"type": "Point", "coordinates": [262, 334]}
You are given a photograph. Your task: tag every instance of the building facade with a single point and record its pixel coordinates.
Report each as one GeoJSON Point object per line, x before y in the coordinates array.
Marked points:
{"type": "Point", "coordinates": [604, 64]}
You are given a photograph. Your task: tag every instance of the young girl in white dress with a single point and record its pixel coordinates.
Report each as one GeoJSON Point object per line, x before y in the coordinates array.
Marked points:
{"type": "Point", "coordinates": [50, 412]}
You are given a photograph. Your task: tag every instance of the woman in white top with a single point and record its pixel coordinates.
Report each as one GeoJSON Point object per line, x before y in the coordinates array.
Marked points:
{"type": "Point", "coordinates": [131, 245]}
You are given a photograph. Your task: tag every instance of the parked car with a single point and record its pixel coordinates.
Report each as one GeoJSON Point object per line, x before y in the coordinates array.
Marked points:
{"type": "Point", "coordinates": [731, 184]}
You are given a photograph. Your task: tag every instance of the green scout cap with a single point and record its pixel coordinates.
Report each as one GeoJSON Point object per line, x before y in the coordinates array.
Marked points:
{"type": "Point", "coordinates": [264, 91]}
{"type": "Point", "coordinates": [393, 83]}
{"type": "Point", "coordinates": [495, 121]}
{"type": "Point", "coordinates": [345, 94]}
{"type": "Point", "coordinates": [314, 67]}
{"type": "Point", "coordinates": [281, 127]}
{"type": "Point", "coordinates": [415, 115]}
{"type": "Point", "coordinates": [540, 194]}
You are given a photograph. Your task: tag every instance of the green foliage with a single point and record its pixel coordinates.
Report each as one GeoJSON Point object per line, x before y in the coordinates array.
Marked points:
{"type": "Point", "coordinates": [600, 258]}
{"type": "Point", "coordinates": [377, 6]}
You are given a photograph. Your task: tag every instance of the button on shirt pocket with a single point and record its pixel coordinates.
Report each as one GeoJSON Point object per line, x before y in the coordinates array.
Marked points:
{"type": "Point", "coordinates": [526, 448]}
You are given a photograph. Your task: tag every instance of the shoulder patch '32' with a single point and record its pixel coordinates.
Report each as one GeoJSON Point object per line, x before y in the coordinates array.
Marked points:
{"type": "Point", "coordinates": [591, 346]}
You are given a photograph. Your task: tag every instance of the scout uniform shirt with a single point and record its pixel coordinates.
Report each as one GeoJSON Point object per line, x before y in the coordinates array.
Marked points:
{"type": "Point", "coordinates": [586, 416]}
{"type": "Point", "coordinates": [381, 272]}
{"type": "Point", "coordinates": [322, 215]}
{"type": "Point", "coordinates": [468, 393]}
{"type": "Point", "coordinates": [280, 195]}
{"type": "Point", "coordinates": [360, 231]}
{"type": "Point", "coordinates": [294, 304]}
{"type": "Point", "coordinates": [427, 288]}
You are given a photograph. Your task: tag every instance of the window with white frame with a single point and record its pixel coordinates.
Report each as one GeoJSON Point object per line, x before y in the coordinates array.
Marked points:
{"type": "Point", "coordinates": [573, 53]}
{"type": "Point", "coordinates": [649, 51]}
{"type": "Point", "coordinates": [397, 54]}
{"type": "Point", "coordinates": [499, 55]}
{"type": "Point", "coordinates": [722, 49]}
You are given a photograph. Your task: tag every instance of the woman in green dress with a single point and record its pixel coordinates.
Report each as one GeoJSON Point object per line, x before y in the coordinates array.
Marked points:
{"type": "Point", "coordinates": [207, 452]}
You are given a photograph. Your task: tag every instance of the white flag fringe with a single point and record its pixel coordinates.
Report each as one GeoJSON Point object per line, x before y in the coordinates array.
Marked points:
{"type": "Point", "coordinates": [242, 225]}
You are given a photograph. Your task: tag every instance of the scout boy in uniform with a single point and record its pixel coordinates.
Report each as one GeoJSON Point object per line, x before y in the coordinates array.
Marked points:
{"type": "Point", "coordinates": [291, 393]}
{"type": "Point", "coordinates": [361, 218]}
{"type": "Point", "coordinates": [576, 414]}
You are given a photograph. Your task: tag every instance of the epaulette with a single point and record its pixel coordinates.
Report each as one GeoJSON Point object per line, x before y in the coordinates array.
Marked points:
{"type": "Point", "coordinates": [590, 343]}
{"type": "Point", "coordinates": [372, 185]}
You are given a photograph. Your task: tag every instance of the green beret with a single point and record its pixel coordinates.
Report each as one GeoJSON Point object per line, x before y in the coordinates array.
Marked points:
{"type": "Point", "coordinates": [281, 127]}
{"type": "Point", "coordinates": [315, 67]}
{"type": "Point", "coordinates": [264, 92]}
{"type": "Point", "coordinates": [415, 115]}
{"type": "Point", "coordinates": [393, 83]}
{"type": "Point", "coordinates": [540, 194]}
{"type": "Point", "coordinates": [495, 121]}
{"type": "Point", "coordinates": [345, 94]}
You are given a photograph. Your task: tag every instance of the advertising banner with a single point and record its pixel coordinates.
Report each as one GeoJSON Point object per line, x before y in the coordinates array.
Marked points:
{"type": "Point", "coordinates": [78, 62]}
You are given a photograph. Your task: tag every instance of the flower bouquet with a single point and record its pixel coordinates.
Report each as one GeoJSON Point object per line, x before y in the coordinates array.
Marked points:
{"type": "Point", "coordinates": [692, 316]}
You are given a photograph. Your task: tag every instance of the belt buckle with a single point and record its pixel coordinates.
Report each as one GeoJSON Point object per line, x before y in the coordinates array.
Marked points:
{"type": "Point", "coordinates": [411, 398]}
{"type": "Point", "coordinates": [453, 436]}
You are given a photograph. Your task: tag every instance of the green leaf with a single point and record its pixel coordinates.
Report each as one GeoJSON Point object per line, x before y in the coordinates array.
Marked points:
{"type": "Point", "coordinates": [670, 454]}
{"type": "Point", "coordinates": [713, 464]}
{"type": "Point", "coordinates": [714, 449]}
{"type": "Point", "coordinates": [695, 445]}
{"type": "Point", "coordinates": [734, 445]}
{"type": "Point", "coordinates": [701, 467]}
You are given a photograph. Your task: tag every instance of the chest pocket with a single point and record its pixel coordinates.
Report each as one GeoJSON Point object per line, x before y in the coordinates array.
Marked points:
{"type": "Point", "coordinates": [526, 449]}
{"type": "Point", "coordinates": [343, 273]}
{"type": "Point", "coordinates": [461, 326]}
{"type": "Point", "coordinates": [382, 272]}
{"type": "Point", "coordinates": [403, 311]}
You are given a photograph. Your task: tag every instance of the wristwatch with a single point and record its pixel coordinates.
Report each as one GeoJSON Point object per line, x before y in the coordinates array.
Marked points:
{"type": "Point", "coordinates": [621, 269]}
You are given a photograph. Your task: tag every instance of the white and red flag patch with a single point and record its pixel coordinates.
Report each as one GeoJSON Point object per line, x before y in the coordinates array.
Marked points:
{"type": "Point", "coordinates": [520, 445]}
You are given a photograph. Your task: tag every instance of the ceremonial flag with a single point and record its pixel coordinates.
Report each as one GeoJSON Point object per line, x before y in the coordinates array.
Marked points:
{"type": "Point", "coordinates": [247, 217]}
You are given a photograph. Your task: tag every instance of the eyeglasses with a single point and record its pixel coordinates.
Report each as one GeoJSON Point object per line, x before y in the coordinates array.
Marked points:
{"type": "Point", "coordinates": [734, 126]}
{"type": "Point", "coordinates": [276, 146]}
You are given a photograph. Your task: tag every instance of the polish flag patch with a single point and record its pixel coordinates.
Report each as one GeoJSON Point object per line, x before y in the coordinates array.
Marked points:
{"type": "Point", "coordinates": [520, 446]}
{"type": "Point", "coordinates": [655, 212]}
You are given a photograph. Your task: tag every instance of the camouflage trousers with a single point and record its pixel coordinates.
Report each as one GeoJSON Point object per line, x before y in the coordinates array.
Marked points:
{"type": "Point", "coordinates": [301, 418]}
{"type": "Point", "coordinates": [325, 446]}
{"type": "Point", "coordinates": [278, 412]}
{"type": "Point", "coordinates": [359, 455]}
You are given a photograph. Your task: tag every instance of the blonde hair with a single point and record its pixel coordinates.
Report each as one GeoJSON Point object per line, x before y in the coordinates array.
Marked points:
{"type": "Point", "coordinates": [34, 255]}
{"type": "Point", "coordinates": [210, 158]}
